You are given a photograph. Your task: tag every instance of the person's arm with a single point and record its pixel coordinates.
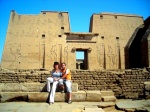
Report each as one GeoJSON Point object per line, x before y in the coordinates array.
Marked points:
{"type": "Point", "coordinates": [51, 73]}
{"type": "Point", "coordinates": [64, 76]}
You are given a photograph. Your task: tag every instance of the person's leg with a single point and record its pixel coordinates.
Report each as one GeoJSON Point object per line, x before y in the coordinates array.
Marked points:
{"type": "Point", "coordinates": [52, 95]}
{"type": "Point", "coordinates": [61, 85]}
{"type": "Point", "coordinates": [69, 90]}
{"type": "Point", "coordinates": [49, 80]}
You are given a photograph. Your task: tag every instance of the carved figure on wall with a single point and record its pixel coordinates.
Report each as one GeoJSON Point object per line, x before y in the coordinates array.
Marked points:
{"type": "Point", "coordinates": [101, 56]}
{"type": "Point", "coordinates": [66, 55]}
{"type": "Point", "coordinates": [15, 52]}
{"type": "Point", "coordinates": [111, 57]}
{"type": "Point", "coordinates": [53, 53]}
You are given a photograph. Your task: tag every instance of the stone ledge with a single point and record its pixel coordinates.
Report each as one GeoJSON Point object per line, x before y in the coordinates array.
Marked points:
{"type": "Point", "coordinates": [28, 87]}
{"type": "Point", "coordinates": [40, 96]}
{"type": "Point", "coordinates": [107, 93]}
{"type": "Point", "coordinates": [59, 97]}
{"type": "Point", "coordinates": [93, 96]}
{"type": "Point", "coordinates": [93, 110]}
{"type": "Point", "coordinates": [108, 98]}
{"type": "Point", "coordinates": [13, 96]}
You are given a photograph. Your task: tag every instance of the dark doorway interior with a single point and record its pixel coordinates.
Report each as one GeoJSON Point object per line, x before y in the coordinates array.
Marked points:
{"type": "Point", "coordinates": [82, 63]}
{"type": "Point", "coordinates": [135, 56]}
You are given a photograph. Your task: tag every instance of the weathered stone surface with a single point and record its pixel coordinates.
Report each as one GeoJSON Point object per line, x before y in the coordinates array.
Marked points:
{"type": "Point", "coordinates": [129, 110]}
{"type": "Point", "coordinates": [11, 87]}
{"type": "Point", "coordinates": [79, 96]}
{"type": "Point", "coordinates": [147, 86]}
{"type": "Point", "coordinates": [60, 97]}
{"type": "Point", "coordinates": [131, 95]}
{"type": "Point", "coordinates": [93, 110]}
{"type": "Point", "coordinates": [38, 96]}
{"type": "Point", "coordinates": [44, 107]}
{"type": "Point", "coordinates": [74, 87]}
{"type": "Point", "coordinates": [93, 96]}
{"type": "Point", "coordinates": [21, 87]}
{"type": "Point", "coordinates": [55, 48]}
{"type": "Point", "coordinates": [136, 104]}
{"type": "Point", "coordinates": [107, 93]}
{"type": "Point", "coordinates": [108, 98]}
{"type": "Point", "coordinates": [112, 109]}
{"type": "Point", "coordinates": [1, 86]}
{"type": "Point", "coordinates": [29, 87]}
{"type": "Point", "coordinates": [32, 87]}
{"type": "Point", "coordinates": [130, 86]}
{"type": "Point", "coordinates": [13, 96]}
{"type": "Point", "coordinates": [44, 96]}
{"type": "Point", "coordinates": [106, 104]}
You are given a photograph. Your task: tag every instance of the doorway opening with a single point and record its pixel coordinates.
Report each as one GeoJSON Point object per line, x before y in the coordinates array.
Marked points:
{"type": "Point", "coordinates": [82, 59]}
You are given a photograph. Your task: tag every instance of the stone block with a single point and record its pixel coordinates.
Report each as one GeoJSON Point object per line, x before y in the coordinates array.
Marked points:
{"type": "Point", "coordinates": [29, 87]}
{"type": "Point", "coordinates": [11, 87]}
{"type": "Point", "coordinates": [93, 110]}
{"type": "Point", "coordinates": [147, 86]}
{"type": "Point", "coordinates": [13, 96]}
{"type": "Point", "coordinates": [108, 98]}
{"type": "Point", "coordinates": [79, 96]}
{"type": "Point", "coordinates": [38, 96]}
{"type": "Point", "coordinates": [60, 97]}
{"type": "Point", "coordinates": [1, 86]}
{"type": "Point", "coordinates": [107, 93]}
{"type": "Point", "coordinates": [131, 95]}
{"type": "Point", "coordinates": [74, 87]}
{"type": "Point", "coordinates": [93, 96]}
{"type": "Point", "coordinates": [32, 87]}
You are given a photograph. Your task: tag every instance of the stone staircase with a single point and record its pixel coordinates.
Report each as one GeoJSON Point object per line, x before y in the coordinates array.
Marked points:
{"type": "Point", "coordinates": [36, 92]}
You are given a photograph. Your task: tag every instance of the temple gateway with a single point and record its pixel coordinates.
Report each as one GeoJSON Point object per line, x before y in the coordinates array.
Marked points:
{"type": "Point", "coordinates": [114, 41]}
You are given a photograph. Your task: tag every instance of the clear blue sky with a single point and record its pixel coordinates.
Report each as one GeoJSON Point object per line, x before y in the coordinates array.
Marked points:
{"type": "Point", "coordinates": [80, 11]}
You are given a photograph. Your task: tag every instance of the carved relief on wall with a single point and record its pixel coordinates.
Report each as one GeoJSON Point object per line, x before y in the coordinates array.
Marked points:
{"type": "Point", "coordinates": [111, 58]}
{"type": "Point", "coordinates": [14, 53]}
{"type": "Point", "coordinates": [100, 55]}
{"type": "Point", "coordinates": [66, 55]}
{"type": "Point", "coordinates": [53, 53]}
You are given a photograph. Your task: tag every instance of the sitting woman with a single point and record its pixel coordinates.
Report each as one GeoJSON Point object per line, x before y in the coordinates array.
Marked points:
{"type": "Point", "coordinates": [56, 75]}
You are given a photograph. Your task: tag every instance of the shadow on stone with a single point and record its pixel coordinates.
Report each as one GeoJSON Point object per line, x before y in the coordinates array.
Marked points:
{"type": "Point", "coordinates": [47, 101]}
{"type": "Point", "coordinates": [18, 98]}
{"type": "Point", "coordinates": [44, 89]}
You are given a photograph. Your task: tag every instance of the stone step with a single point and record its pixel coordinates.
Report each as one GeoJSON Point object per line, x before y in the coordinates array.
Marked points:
{"type": "Point", "coordinates": [93, 96]}
{"type": "Point", "coordinates": [59, 97]}
{"type": "Point", "coordinates": [40, 96]}
{"type": "Point", "coordinates": [107, 93]}
{"type": "Point", "coordinates": [29, 87]}
{"type": "Point", "coordinates": [108, 98]}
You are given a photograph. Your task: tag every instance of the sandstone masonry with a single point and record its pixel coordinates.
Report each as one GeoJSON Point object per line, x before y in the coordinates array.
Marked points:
{"type": "Point", "coordinates": [124, 83]}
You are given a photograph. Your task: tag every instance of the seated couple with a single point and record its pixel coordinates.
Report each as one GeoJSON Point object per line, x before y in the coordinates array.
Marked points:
{"type": "Point", "coordinates": [59, 77]}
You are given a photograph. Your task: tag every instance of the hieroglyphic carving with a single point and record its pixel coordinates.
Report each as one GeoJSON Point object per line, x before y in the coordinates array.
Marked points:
{"type": "Point", "coordinates": [101, 55]}
{"type": "Point", "coordinates": [15, 52]}
{"type": "Point", "coordinates": [53, 53]}
{"type": "Point", "coordinates": [111, 58]}
{"type": "Point", "coordinates": [66, 55]}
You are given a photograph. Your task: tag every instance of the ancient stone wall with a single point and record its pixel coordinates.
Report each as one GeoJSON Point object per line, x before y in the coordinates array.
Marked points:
{"type": "Point", "coordinates": [34, 41]}
{"type": "Point", "coordinates": [125, 83]}
{"type": "Point", "coordinates": [115, 30]}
